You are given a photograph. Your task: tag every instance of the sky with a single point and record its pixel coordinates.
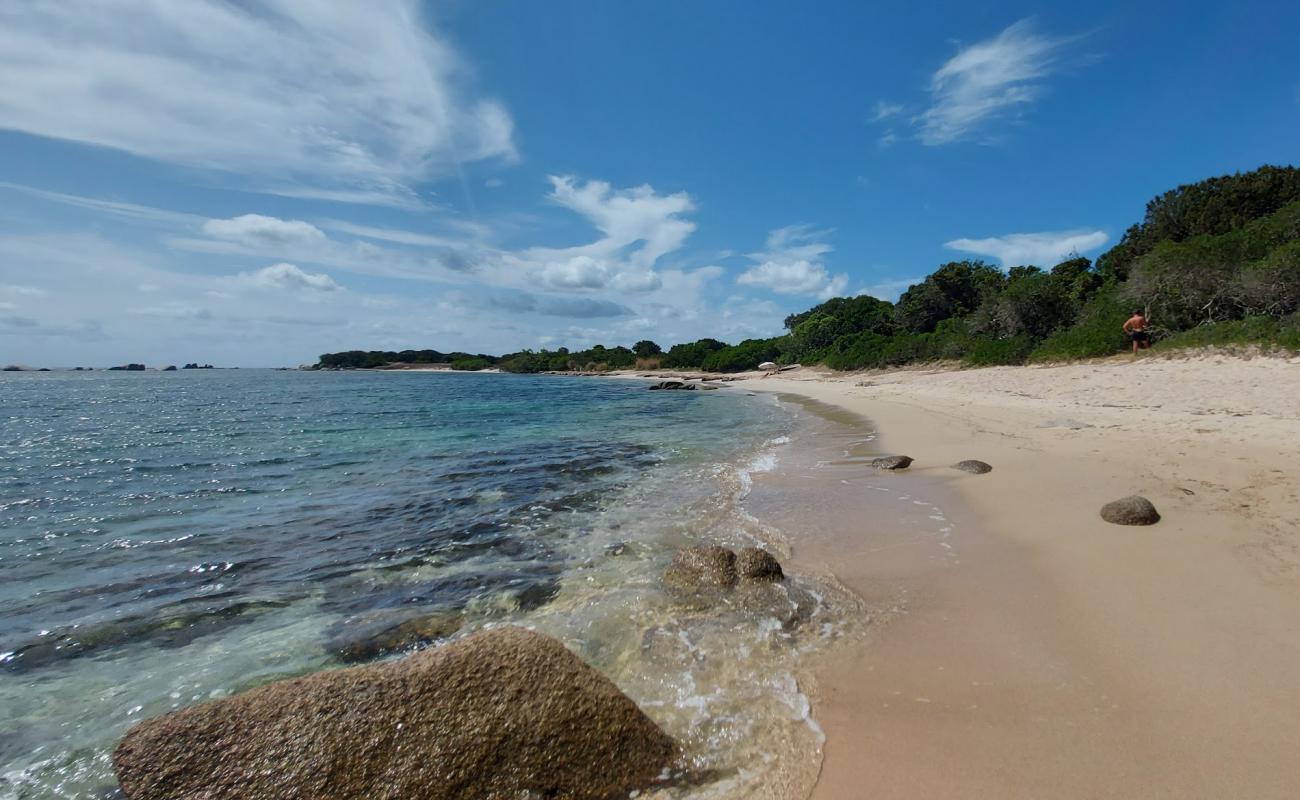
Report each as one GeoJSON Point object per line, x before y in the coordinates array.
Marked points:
{"type": "Point", "coordinates": [256, 183]}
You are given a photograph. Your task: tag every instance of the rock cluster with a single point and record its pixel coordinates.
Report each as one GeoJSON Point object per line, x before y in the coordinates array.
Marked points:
{"type": "Point", "coordinates": [502, 713]}
{"type": "Point", "coordinates": [711, 567]}
{"type": "Point", "coordinates": [1131, 510]}
{"type": "Point", "coordinates": [682, 386]}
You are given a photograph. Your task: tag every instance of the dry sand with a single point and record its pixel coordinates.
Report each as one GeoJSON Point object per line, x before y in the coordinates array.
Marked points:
{"type": "Point", "coordinates": [1059, 656]}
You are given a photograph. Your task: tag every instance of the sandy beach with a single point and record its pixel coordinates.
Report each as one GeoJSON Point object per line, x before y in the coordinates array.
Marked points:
{"type": "Point", "coordinates": [1057, 655]}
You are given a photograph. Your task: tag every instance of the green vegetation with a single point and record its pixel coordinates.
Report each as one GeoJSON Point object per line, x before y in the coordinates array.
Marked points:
{"type": "Point", "coordinates": [1213, 263]}
{"type": "Point", "coordinates": [1267, 333]}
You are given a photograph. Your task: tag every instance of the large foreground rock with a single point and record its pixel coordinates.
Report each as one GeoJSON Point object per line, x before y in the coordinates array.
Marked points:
{"type": "Point", "coordinates": [1131, 510]}
{"type": "Point", "coordinates": [504, 713]}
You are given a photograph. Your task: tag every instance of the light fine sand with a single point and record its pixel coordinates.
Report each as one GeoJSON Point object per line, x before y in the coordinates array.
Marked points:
{"type": "Point", "coordinates": [1059, 656]}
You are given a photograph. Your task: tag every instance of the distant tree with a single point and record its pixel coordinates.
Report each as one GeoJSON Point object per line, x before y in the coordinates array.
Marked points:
{"type": "Point", "coordinates": [1213, 206]}
{"type": "Point", "coordinates": [646, 348]}
{"type": "Point", "coordinates": [953, 290]}
{"type": "Point", "coordinates": [691, 354]}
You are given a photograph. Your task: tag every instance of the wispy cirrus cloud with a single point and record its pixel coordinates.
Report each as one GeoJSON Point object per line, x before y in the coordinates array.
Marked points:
{"type": "Point", "coordinates": [1044, 249]}
{"type": "Point", "coordinates": [343, 101]}
{"type": "Point", "coordinates": [793, 263]}
{"type": "Point", "coordinates": [988, 81]}
{"type": "Point", "coordinates": [884, 110]}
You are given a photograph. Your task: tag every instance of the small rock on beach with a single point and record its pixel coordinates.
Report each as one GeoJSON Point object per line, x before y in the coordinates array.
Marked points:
{"type": "Point", "coordinates": [1131, 510]}
{"type": "Point", "coordinates": [973, 466]}
{"type": "Point", "coordinates": [891, 462]}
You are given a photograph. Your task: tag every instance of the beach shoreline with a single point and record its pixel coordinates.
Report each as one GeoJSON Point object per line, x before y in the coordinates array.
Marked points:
{"type": "Point", "coordinates": [1061, 655]}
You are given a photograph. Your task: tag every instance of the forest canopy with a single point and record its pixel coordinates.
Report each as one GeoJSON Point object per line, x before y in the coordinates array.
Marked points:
{"type": "Point", "coordinates": [1211, 262]}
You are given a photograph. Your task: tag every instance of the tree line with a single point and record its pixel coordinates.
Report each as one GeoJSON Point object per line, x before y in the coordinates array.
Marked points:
{"type": "Point", "coordinates": [1214, 261]}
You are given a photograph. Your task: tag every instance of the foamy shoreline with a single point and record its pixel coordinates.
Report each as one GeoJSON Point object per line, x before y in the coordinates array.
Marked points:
{"type": "Point", "coordinates": [1064, 656]}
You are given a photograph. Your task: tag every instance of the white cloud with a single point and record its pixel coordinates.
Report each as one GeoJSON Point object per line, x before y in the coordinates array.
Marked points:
{"type": "Point", "coordinates": [792, 264]}
{"type": "Point", "coordinates": [289, 276]}
{"type": "Point", "coordinates": [1044, 249]}
{"type": "Point", "coordinates": [354, 99]}
{"type": "Point", "coordinates": [13, 290]}
{"type": "Point", "coordinates": [639, 226]}
{"type": "Point", "coordinates": [885, 110]}
{"type": "Point", "coordinates": [887, 139]}
{"type": "Point", "coordinates": [255, 229]}
{"type": "Point", "coordinates": [889, 289]}
{"type": "Point", "coordinates": [986, 81]}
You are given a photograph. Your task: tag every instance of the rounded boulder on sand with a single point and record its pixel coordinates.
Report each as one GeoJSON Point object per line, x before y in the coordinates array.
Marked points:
{"type": "Point", "coordinates": [502, 713]}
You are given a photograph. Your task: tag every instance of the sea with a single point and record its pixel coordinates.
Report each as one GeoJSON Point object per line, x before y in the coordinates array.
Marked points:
{"type": "Point", "coordinates": [168, 538]}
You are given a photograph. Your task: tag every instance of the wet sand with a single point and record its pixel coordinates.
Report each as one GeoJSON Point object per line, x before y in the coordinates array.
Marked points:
{"type": "Point", "coordinates": [1048, 653]}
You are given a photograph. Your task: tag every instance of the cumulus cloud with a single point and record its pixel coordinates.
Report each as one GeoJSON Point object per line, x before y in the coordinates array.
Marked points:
{"type": "Point", "coordinates": [350, 101]}
{"type": "Point", "coordinates": [986, 81]}
{"type": "Point", "coordinates": [638, 226]}
{"type": "Point", "coordinates": [256, 229]}
{"type": "Point", "coordinates": [792, 263]}
{"type": "Point", "coordinates": [290, 277]}
{"type": "Point", "coordinates": [1044, 249]}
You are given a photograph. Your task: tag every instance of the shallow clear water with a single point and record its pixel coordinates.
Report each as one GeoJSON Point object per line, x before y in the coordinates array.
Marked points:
{"type": "Point", "coordinates": [167, 538]}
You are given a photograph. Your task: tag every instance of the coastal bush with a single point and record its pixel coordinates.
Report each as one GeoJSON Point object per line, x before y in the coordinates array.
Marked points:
{"type": "Point", "coordinates": [744, 356]}
{"type": "Point", "coordinates": [1214, 206]}
{"type": "Point", "coordinates": [470, 364]}
{"type": "Point", "coordinates": [953, 290]}
{"type": "Point", "coordinates": [999, 352]}
{"type": "Point", "coordinates": [1269, 333]}
{"type": "Point", "coordinates": [692, 354]}
{"type": "Point", "coordinates": [1096, 333]}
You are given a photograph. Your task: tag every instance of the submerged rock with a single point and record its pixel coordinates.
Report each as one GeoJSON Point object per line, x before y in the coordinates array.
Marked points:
{"type": "Point", "coordinates": [679, 385]}
{"type": "Point", "coordinates": [1131, 510]}
{"type": "Point", "coordinates": [365, 637]}
{"type": "Point", "coordinates": [973, 467]}
{"type": "Point", "coordinates": [891, 462]}
{"type": "Point", "coordinates": [502, 713]}
{"type": "Point", "coordinates": [702, 567]}
{"type": "Point", "coordinates": [788, 605]}
{"type": "Point", "coordinates": [756, 565]}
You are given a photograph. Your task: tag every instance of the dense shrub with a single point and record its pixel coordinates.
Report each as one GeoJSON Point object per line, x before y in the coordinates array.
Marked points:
{"type": "Point", "coordinates": [741, 357]}
{"type": "Point", "coordinates": [999, 352]}
{"type": "Point", "coordinates": [470, 364]}
{"type": "Point", "coordinates": [691, 354]}
{"type": "Point", "coordinates": [1096, 333]}
{"type": "Point", "coordinates": [1267, 332]}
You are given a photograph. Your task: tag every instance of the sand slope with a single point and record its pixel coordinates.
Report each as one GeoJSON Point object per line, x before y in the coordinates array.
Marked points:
{"type": "Point", "coordinates": [1062, 656]}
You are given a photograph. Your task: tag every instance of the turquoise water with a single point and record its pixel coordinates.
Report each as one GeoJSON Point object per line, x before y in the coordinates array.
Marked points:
{"type": "Point", "coordinates": [167, 538]}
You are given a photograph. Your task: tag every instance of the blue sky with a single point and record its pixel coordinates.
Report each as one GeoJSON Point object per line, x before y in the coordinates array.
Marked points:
{"type": "Point", "coordinates": [257, 183]}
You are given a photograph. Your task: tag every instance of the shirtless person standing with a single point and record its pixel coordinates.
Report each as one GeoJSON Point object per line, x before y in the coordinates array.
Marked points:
{"type": "Point", "coordinates": [1136, 328]}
